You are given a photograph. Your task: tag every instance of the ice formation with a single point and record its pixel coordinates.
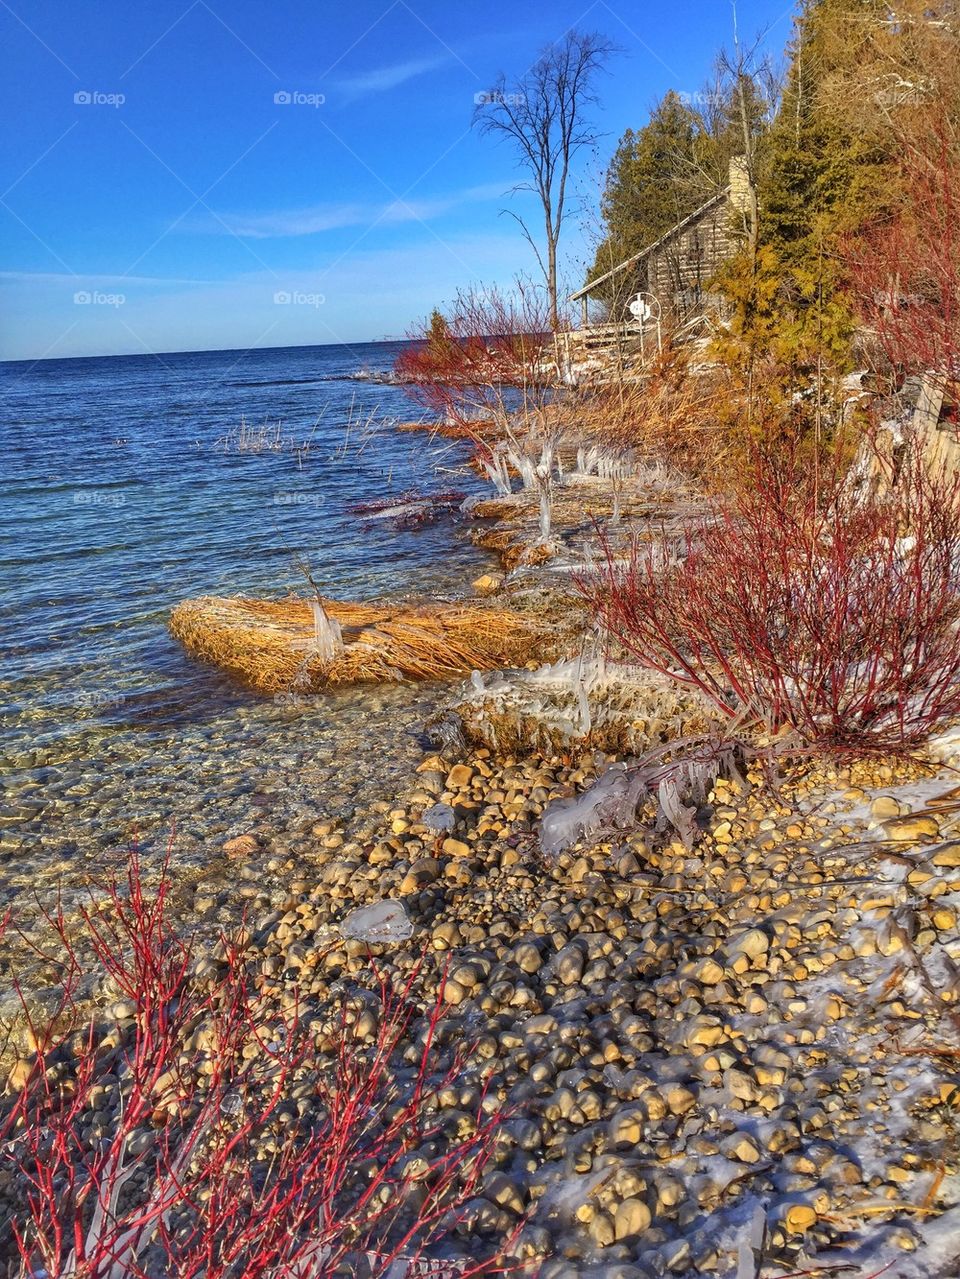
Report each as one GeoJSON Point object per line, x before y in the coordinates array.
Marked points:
{"type": "Point", "coordinates": [680, 786]}
{"type": "Point", "coordinates": [623, 710]}
{"type": "Point", "coordinates": [440, 817]}
{"type": "Point", "coordinates": [384, 921]}
{"type": "Point", "coordinates": [567, 820]}
{"type": "Point", "coordinates": [327, 634]}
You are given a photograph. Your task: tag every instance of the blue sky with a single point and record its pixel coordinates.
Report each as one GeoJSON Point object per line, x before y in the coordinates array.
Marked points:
{"type": "Point", "coordinates": [189, 175]}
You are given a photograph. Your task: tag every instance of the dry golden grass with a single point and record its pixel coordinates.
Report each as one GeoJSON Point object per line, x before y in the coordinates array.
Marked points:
{"type": "Point", "coordinates": [485, 430]}
{"type": "Point", "coordinates": [270, 644]}
{"type": "Point", "coordinates": [674, 413]}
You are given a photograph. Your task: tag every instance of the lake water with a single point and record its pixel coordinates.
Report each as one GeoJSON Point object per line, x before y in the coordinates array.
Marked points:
{"type": "Point", "coordinates": [126, 490]}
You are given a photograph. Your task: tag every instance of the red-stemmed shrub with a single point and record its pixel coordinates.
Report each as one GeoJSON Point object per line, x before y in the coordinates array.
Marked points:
{"type": "Point", "coordinates": [491, 355]}
{"type": "Point", "coordinates": [905, 270]}
{"type": "Point", "coordinates": [802, 604]}
{"type": "Point", "coordinates": [216, 1131]}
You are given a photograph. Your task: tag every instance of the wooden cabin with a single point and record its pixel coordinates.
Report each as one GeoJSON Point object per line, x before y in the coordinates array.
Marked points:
{"type": "Point", "coordinates": [669, 282]}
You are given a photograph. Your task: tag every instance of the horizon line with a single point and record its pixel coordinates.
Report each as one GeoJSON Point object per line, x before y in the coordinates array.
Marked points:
{"type": "Point", "coordinates": [211, 350]}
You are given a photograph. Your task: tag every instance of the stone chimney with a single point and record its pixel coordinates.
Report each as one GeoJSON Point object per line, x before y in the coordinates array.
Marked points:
{"type": "Point", "coordinates": [740, 195]}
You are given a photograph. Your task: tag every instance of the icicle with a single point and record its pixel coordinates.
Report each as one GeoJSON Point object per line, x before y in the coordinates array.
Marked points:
{"type": "Point", "coordinates": [584, 720]}
{"type": "Point", "coordinates": [545, 514]}
{"type": "Point", "coordinates": [326, 633]}
{"type": "Point", "coordinates": [498, 473]}
{"type": "Point", "coordinates": [681, 818]}
{"type": "Point", "coordinates": [567, 820]}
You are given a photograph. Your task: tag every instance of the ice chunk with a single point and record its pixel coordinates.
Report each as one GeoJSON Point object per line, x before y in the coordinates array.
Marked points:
{"type": "Point", "coordinates": [679, 816]}
{"type": "Point", "coordinates": [384, 921]}
{"type": "Point", "coordinates": [751, 1244]}
{"type": "Point", "coordinates": [567, 820]}
{"type": "Point", "coordinates": [440, 817]}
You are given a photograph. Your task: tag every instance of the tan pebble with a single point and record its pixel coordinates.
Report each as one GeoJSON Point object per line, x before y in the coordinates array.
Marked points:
{"type": "Point", "coordinates": [884, 807]}
{"type": "Point", "coordinates": [241, 846]}
{"type": "Point", "coordinates": [18, 1076]}
{"type": "Point", "coordinates": [432, 764]}
{"type": "Point", "coordinates": [799, 1217]}
{"type": "Point", "coordinates": [709, 972]}
{"type": "Point", "coordinates": [446, 935]}
{"type": "Point", "coordinates": [753, 943]}
{"type": "Point", "coordinates": [679, 1099]}
{"type": "Point", "coordinates": [743, 1148]}
{"type": "Point", "coordinates": [908, 830]}
{"type": "Point", "coordinates": [457, 848]}
{"type": "Point", "coordinates": [631, 1218]}
{"type": "Point", "coordinates": [601, 1230]}
{"type": "Point", "coordinates": [459, 777]}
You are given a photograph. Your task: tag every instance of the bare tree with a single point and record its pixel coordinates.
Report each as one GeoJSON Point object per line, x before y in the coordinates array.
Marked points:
{"type": "Point", "coordinates": [542, 116]}
{"type": "Point", "coordinates": [753, 89]}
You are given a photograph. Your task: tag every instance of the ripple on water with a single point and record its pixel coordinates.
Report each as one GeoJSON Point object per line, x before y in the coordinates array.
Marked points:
{"type": "Point", "coordinates": [113, 736]}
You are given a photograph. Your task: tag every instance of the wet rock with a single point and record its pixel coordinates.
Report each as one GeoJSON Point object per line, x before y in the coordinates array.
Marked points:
{"type": "Point", "coordinates": [241, 846]}
{"type": "Point", "coordinates": [911, 830]}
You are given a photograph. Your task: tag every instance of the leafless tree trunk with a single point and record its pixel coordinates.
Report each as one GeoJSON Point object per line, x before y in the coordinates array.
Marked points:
{"type": "Point", "coordinates": [541, 115]}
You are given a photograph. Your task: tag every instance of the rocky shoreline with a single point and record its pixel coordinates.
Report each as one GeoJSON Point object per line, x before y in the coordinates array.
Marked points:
{"type": "Point", "coordinates": [685, 1040]}
{"type": "Point", "coordinates": [736, 1059]}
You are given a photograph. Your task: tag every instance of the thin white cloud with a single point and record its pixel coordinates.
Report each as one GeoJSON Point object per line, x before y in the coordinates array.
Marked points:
{"type": "Point", "coordinates": [284, 223]}
{"type": "Point", "coordinates": [64, 277]}
{"type": "Point", "coordinates": [382, 79]}
{"type": "Point", "coordinates": [372, 292]}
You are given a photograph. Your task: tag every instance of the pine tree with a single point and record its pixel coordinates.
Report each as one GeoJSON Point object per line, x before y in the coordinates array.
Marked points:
{"type": "Point", "coordinates": [821, 176]}
{"type": "Point", "coordinates": [652, 182]}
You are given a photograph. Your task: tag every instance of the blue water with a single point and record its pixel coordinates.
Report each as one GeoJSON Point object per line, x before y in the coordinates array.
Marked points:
{"type": "Point", "coordinates": [124, 491]}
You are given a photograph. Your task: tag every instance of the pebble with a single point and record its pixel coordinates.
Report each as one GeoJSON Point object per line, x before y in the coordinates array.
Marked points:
{"type": "Point", "coordinates": [674, 1032]}
{"type": "Point", "coordinates": [911, 830]}
{"type": "Point", "coordinates": [241, 846]}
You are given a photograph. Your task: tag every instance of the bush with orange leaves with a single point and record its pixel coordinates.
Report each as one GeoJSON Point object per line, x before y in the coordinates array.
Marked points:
{"type": "Point", "coordinates": [490, 357]}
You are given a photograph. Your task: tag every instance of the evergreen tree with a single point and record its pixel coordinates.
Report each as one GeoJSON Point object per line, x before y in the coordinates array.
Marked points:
{"type": "Point", "coordinates": [651, 183]}
{"type": "Point", "coordinates": [821, 176]}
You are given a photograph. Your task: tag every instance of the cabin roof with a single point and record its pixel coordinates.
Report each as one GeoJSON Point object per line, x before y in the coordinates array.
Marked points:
{"type": "Point", "coordinates": [638, 257]}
